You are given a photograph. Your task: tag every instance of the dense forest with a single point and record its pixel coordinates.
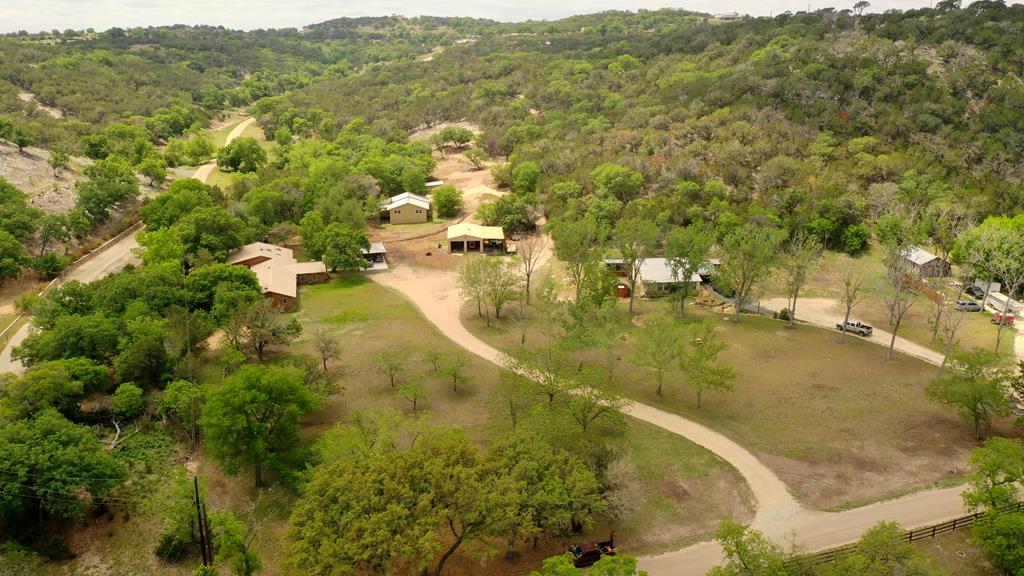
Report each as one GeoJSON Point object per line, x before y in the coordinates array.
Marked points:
{"type": "Point", "coordinates": [799, 128]}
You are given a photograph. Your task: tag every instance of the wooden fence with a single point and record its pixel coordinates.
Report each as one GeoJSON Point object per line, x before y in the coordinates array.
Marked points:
{"type": "Point", "coordinates": [833, 554]}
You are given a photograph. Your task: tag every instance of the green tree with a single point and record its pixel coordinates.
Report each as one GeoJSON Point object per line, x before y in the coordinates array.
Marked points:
{"type": "Point", "coordinates": [748, 255]}
{"type": "Point", "coordinates": [747, 552]}
{"type": "Point", "coordinates": [181, 197]}
{"type": "Point", "coordinates": [252, 419]}
{"type": "Point", "coordinates": [23, 139]}
{"type": "Point", "coordinates": [198, 149]}
{"type": "Point", "coordinates": [636, 240]}
{"type": "Point", "coordinates": [525, 176]}
{"type": "Point", "coordinates": [699, 360]}
{"type": "Point", "coordinates": [343, 247]}
{"type": "Point", "coordinates": [997, 469]}
{"type": "Point", "coordinates": [59, 159]}
{"type": "Point", "coordinates": [975, 386]}
{"type": "Point", "coordinates": [311, 229]}
{"type": "Point", "coordinates": [52, 228]}
{"type": "Point", "coordinates": [413, 390]}
{"type": "Point", "coordinates": [57, 384]}
{"type": "Point", "coordinates": [243, 155]}
{"type": "Point", "coordinates": [554, 488]}
{"type": "Point", "coordinates": [883, 551]}
{"type": "Point", "coordinates": [657, 346]}
{"type": "Point", "coordinates": [108, 182]}
{"type": "Point", "coordinates": [390, 363]}
{"type": "Point", "coordinates": [128, 402]}
{"type": "Point", "coordinates": [477, 157]}
{"type": "Point", "coordinates": [153, 167]}
{"type": "Point", "coordinates": [258, 326]}
{"type": "Point", "coordinates": [232, 540]}
{"type": "Point", "coordinates": [447, 200]}
{"type": "Point", "coordinates": [687, 252]}
{"type": "Point", "coordinates": [576, 244]}
{"type": "Point", "coordinates": [617, 181]}
{"type": "Point", "coordinates": [60, 468]}
{"type": "Point", "coordinates": [13, 257]}
{"type": "Point", "coordinates": [183, 402]}
{"type": "Point", "coordinates": [386, 508]}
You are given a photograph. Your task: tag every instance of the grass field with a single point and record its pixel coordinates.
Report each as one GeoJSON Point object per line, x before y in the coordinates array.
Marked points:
{"type": "Point", "coordinates": [833, 419]}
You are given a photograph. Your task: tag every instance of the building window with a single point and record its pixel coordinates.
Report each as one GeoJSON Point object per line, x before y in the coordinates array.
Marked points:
{"type": "Point", "coordinates": [419, 211]}
{"type": "Point", "coordinates": [398, 211]}
{"type": "Point", "coordinates": [284, 300]}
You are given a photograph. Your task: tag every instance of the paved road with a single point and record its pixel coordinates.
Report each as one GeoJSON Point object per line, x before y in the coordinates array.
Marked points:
{"type": "Point", "coordinates": [779, 515]}
{"type": "Point", "coordinates": [113, 258]}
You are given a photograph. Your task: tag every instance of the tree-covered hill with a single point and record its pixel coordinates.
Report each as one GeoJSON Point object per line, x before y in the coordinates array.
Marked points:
{"type": "Point", "coordinates": [812, 119]}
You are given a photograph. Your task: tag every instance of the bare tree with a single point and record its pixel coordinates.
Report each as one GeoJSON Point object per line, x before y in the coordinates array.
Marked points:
{"type": "Point", "coordinates": [500, 284]}
{"type": "Point", "coordinates": [800, 256]}
{"type": "Point", "coordinates": [530, 251]}
{"type": "Point", "coordinates": [899, 233]}
{"type": "Point", "coordinates": [951, 321]}
{"type": "Point", "coordinates": [326, 346]}
{"type": "Point", "coordinates": [853, 293]}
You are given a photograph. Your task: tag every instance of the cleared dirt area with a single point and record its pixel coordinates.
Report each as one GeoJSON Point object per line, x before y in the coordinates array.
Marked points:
{"type": "Point", "coordinates": [426, 132]}
{"type": "Point", "coordinates": [28, 170]}
{"type": "Point", "coordinates": [408, 244]}
{"type": "Point", "coordinates": [30, 97]}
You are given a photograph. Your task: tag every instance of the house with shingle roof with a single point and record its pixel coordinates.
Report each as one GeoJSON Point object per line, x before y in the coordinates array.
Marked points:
{"type": "Point", "coordinates": [277, 271]}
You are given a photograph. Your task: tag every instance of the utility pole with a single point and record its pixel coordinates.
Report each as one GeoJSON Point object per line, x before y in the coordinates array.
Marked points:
{"type": "Point", "coordinates": [199, 519]}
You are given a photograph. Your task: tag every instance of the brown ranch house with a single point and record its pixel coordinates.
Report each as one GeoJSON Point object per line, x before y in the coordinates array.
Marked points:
{"type": "Point", "coordinates": [278, 272]}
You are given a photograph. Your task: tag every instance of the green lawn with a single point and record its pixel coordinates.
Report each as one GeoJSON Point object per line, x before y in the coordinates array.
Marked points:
{"type": "Point", "coordinates": [833, 419]}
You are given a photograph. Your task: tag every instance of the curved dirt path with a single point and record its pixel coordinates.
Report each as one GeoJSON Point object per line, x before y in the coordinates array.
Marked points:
{"type": "Point", "coordinates": [113, 258]}
{"type": "Point", "coordinates": [435, 293]}
{"type": "Point", "coordinates": [204, 171]}
{"type": "Point", "coordinates": [826, 313]}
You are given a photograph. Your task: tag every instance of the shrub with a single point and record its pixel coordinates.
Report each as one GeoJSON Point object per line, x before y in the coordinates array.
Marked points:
{"type": "Point", "coordinates": [502, 174]}
{"type": "Point", "coordinates": [172, 547]}
{"type": "Point", "coordinates": [53, 548]}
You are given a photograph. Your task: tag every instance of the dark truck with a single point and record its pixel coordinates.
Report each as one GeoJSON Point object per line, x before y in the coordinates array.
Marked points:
{"type": "Point", "coordinates": [855, 328]}
{"type": "Point", "coordinates": [587, 553]}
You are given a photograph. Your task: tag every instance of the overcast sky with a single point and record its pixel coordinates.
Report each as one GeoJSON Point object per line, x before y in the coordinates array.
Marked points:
{"type": "Point", "coordinates": [37, 15]}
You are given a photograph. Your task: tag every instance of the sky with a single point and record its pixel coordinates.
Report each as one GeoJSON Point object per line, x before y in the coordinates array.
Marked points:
{"type": "Point", "coordinates": [40, 15]}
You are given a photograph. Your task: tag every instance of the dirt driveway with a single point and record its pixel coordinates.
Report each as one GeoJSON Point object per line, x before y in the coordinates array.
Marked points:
{"type": "Point", "coordinates": [826, 313]}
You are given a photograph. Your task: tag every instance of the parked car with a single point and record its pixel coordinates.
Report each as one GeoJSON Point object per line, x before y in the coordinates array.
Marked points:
{"type": "Point", "coordinates": [968, 306]}
{"type": "Point", "coordinates": [588, 553]}
{"type": "Point", "coordinates": [974, 291]}
{"type": "Point", "coordinates": [1004, 319]}
{"type": "Point", "coordinates": [855, 327]}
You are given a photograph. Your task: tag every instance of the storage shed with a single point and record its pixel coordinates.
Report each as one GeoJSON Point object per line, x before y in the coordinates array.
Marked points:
{"type": "Point", "coordinates": [467, 237]}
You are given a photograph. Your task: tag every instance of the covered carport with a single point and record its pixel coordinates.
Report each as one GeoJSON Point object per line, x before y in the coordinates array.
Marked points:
{"type": "Point", "coordinates": [465, 237]}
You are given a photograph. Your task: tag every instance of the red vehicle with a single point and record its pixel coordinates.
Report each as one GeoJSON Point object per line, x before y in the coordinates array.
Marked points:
{"type": "Point", "coordinates": [1004, 319]}
{"type": "Point", "coordinates": [588, 553]}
